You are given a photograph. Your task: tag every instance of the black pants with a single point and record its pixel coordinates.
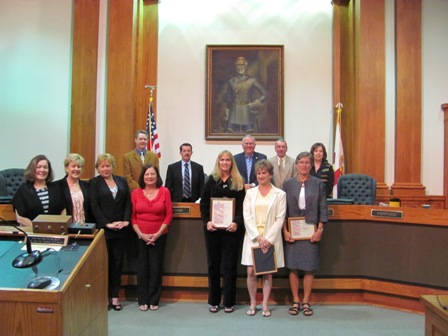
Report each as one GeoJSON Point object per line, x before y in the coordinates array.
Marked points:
{"type": "Point", "coordinates": [223, 249]}
{"type": "Point", "coordinates": [115, 252]}
{"type": "Point", "coordinates": [150, 271]}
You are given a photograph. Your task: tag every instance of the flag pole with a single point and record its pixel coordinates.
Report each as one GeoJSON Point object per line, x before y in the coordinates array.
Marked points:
{"type": "Point", "coordinates": [338, 150]}
{"type": "Point", "coordinates": [153, 141]}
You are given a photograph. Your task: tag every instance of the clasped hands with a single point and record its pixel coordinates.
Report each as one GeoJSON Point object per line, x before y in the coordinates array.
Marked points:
{"type": "Point", "coordinates": [231, 228]}
{"type": "Point", "coordinates": [264, 244]}
{"type": "Point", "coordinates": [117, 225]}
{"type": "Point", "coordinates": [149, 238]}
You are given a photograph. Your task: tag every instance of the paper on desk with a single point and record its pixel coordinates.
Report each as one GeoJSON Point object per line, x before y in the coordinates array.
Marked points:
{"type": "Point", "coordinates": [42, 248]}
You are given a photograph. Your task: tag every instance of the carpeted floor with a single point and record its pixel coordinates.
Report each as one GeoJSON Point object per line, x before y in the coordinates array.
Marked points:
{"type": "Point", "coordinates": [185, 319]}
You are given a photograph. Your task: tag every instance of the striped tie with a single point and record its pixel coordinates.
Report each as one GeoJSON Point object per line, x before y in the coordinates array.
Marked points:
{"type": "Point", "coordinates": [187, 187]}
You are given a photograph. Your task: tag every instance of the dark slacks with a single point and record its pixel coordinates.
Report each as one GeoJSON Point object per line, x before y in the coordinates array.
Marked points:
{"type": "Point", "coordinates": [222, 256]}
{"type": "Point", "coordinates": [150, 271]}
{"type": "Point", "coordinates": [115, 251]}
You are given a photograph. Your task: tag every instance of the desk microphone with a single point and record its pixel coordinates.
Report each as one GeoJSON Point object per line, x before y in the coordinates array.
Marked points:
{"type": "Point", "coordinates": [29, 258]}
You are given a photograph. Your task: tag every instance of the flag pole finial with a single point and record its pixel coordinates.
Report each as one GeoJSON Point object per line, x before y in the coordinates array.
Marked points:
{"type": "Point", "coordinates": [151, 89]}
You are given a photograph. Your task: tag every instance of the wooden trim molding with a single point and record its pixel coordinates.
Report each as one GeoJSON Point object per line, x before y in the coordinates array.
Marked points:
{"type": "Point", "coordinates": [408, 30]}
{"type": "Point", "coordinates": [445, 152]}
{"type": "Point", "coordinates": [325, 290]}
{"type": "Point", "coordinates": [84, 81]}
{"type": "Point", "coordinates": [340, 2]}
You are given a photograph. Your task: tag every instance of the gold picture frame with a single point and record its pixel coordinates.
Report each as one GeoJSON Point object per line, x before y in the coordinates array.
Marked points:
{"type": "Point", "coordinates": [299, 229]}
{"type": "Point", "coordinates": [222, 211]}
{"type": "Point", "coordinates": [244, 92]}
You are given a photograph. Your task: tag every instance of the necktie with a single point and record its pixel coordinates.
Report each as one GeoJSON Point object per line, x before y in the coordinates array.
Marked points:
{"type": "Point", "coordinates": [187, 187]}
{"type": "Point", "coordinates": [280, 168]}
{"type": "Point", "coordinates": [302, 204]}
{"type": "Point", "coordinates": [142, 156]}
{"type": "Point", "coordinates": [249, 167]}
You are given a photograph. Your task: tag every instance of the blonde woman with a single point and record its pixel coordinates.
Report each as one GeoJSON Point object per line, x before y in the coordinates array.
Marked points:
{"type": "Point", "coordinates": [223, 245]}
{"type": "Point", "coordinates": [111, 207]}
{"type": "Point", "coordinates": [264, 213]}
{"type": "Point", "coordinates": [76, 191]}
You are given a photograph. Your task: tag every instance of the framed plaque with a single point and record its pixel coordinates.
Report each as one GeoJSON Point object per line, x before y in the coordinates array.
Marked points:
{"type": "Point", "coordinates": [264, 263]}
{"type": "Point", "coordinates": [299, 229]}
{"type": "Point", "coordinates": [222, 211]}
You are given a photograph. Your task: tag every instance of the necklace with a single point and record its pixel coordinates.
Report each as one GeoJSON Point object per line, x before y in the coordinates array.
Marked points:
{"type": "Point", "coordinates": [150, 194]}
{"type": "Point", "coordinates": [303, 181]}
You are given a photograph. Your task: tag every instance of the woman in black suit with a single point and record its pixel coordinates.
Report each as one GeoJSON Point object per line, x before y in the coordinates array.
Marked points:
{"type": "Point", "coordinates": [76, 191]}
{"type": "Point", "coordinates": [223, 245]}
{"type": "Point", "coordinates": [38, 195]}
{"type": "Point", "coordinates": [111, 207]}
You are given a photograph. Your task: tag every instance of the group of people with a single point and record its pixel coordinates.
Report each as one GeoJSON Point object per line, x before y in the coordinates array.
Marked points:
{"type": "Point", "coordinates": [265, 193]}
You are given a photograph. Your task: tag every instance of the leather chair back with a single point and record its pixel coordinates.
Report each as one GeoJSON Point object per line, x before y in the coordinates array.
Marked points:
{"type": "Point", "coordinates": [13, 180]}
{"type": "Point", "coordinates": [359, 187]}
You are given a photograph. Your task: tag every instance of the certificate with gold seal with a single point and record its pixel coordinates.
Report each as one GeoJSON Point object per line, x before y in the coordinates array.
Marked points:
{"type": "Point", "coordinates": [222, 211]}
{"type": "Point", "coordinates": [299, 229]}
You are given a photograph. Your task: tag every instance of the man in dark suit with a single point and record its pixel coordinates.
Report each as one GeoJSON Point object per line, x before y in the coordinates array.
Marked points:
{"type": "Point", "coordinates": [185, 178]}
{"type": "Point", "coordinates": [246, 161]}
{"type": "Point", "coordinates": [134, 161]}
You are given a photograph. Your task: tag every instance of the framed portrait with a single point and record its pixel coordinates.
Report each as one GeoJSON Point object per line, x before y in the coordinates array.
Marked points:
{"type": "Point", "coordinates": [299, 229]}
{"type": "Point", "coordinates": [264, 263]}
{"type": "Point", "coordinates": [222, 211]}
{"type": "Point", "coordinates": [244, 85]}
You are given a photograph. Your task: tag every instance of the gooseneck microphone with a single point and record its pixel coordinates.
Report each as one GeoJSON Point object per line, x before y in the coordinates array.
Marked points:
{"type": "Point", "coordinates": [28, 259]}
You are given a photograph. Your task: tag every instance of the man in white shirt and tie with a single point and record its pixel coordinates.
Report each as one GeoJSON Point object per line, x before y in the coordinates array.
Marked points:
{"type": "Point", "coordinates": [246, 161]}
{"type": "Point", "coordinates": [134, 160]}
{"type": "Point", "coordinates": [284, 167]}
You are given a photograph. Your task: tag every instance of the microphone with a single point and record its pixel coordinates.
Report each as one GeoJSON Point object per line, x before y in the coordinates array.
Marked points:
{"type": "Point", "coordinates": [28, 259]}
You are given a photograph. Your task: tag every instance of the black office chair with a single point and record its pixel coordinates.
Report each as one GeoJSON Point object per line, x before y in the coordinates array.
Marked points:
{"type": "Point", "coordinates": [13, 178]}
{"type": "Point", "coordinates": [358, 187]}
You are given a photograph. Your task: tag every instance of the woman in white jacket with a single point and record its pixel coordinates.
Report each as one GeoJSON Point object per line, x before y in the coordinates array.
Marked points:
{"type": "Point", "coordinates": [264, 213]}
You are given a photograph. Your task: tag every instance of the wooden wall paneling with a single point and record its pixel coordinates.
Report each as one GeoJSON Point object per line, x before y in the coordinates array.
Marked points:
{"type": "Point", "coordinates": [445, 152]}
{"type": "Point", "coordinates": [121, 74]}
{"type": "Point", "coordinates": [343, 72]}
{"type": "Point", "coordinates": [84, 80]}
{"type": "Point", "coordinates": [370, 78]}
{"type": "Point", "coordinates": [408, 25]}
{"type": "Point", "coordinates": [148, 34]}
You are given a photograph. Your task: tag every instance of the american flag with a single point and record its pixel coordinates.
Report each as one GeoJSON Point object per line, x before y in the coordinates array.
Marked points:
{"type": "Point", "coordinates": [151, 128]}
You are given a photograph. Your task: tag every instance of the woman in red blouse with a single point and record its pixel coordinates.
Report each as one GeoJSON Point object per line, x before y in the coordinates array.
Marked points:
{"type": "Point", "coordinates": [151, 215]}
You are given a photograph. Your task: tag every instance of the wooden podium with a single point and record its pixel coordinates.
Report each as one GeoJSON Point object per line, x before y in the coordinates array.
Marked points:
{"type": "Point", "coordinates": [79, 306]}
{"type": "Point", "coordinates": [436, 318]}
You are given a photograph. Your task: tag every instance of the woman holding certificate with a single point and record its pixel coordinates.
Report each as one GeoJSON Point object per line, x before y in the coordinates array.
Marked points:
{"type": "Point", "coordinates": [222, 214]}
{"type": "Point", "coordinates": [264, 213]}
{"type": "Point", "coordinates": [306, 202]}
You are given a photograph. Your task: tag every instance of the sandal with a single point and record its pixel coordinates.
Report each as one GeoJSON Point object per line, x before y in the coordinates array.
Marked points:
{"type": "Point", "coordinates": [266, 313]}
{"type": "Point", "coordinates": [143, 307]}
{"type": "Point", "coordinates": [153, 308]}
{"type": "Point", "coordinates": [117, 307]}
{"type": "Point", "coordinates": [228, 310]}
{"type": "Point", "coordinates": [307, 311]}
{"type": "Point", "coordinates": [251, 312]}
{"type": "Point", "coordinates": [213, 309]}
{"type": "Point", "coordinates": [294, 310]}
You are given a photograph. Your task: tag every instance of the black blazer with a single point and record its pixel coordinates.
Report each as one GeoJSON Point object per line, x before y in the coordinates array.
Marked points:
{"type": "Point", "coordinates": [107, 209]}
{"type": "Point", "coordinates": [28, 205]}
{"type": "Point", "coordinates": [240, 160]}
{"type": "Point", "coordinates": [174, 181]}
{"type": "Point", "coordinates": [68, 198]}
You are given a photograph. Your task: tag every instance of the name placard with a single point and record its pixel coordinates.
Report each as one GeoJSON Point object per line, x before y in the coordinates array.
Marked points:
{"type": "Point", "coordinates": [386, 213]}
{"type": "Point", "coordinates": [181, 210]}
